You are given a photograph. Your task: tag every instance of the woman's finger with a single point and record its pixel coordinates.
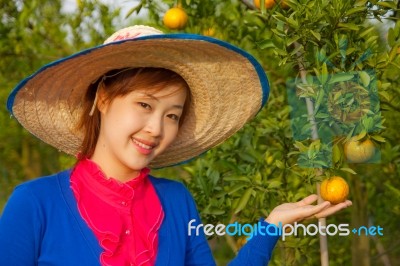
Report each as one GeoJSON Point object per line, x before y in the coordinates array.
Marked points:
{"type": "Point", "coordinates": [334, 208]}
{"type": "Point", "coordinates": [307, 200]}
{"type": "Point", "coordinates": [312, 210]}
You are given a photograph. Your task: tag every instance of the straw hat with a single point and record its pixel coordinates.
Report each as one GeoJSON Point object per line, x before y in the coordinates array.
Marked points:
{"type": "Point", "coordinates": [228, 87]}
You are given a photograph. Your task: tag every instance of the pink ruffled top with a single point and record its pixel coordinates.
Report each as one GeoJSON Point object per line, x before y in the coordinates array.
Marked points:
{"type": "Point", "coordinates": [125, 217]}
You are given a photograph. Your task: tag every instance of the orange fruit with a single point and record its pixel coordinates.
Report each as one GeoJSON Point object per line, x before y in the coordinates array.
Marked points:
{"type": "Point", "coordinates": [175, 18]}
{"type": "Point", "coordinates": [359, 151]}
{"type": "Point", "coordinates": [209, 32]}
{"type": "Point", "coordinates": [334, 189]}
{"type": "Point", "coordinates": [268, 3]}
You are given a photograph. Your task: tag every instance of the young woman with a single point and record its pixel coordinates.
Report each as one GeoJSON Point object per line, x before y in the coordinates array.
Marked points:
{"type": "Point", "coordinates": [141, 100]}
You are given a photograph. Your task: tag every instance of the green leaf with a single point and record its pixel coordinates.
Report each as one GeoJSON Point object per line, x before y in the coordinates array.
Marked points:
{"type": "Point", "coordinates": [371, 39]}
{"type": "Point", "coordinates": [355, 10]}
{"type": "Point", "coordinates": [237, 178]}
{"type": "Point", "coordinates": [388, 4]}
{"type": "Point", "coordinates": [280, 52]}
{"type": "Point", "coordinates": [385, 95]}
{"type": "Point", "coordinates": [236, 188]}
{"type": "Point", "coordinates": [378, 138]}
{"type": "Point", "coordinates": [365, 78]}
{"type": "Point", "coordinates": [322, 115]}
{"type": "Point", "coordinates": [135, 9]}
{"type": "Point", "coordinates": [340, 78]}
{"type": "Point", "coordinates": [274, 184]}
{"type": "Point", "coordinates": [279, 164]}
{"type": "Point", "coordinates": [317, 35]}
{"type": "Point", "coordinates": [247, 157]}
{"type": "Point", "coordinates": [320, 163]}
{"type": "Point", "coordinates": [279, 17]}
{"type": "Point", "coordinates": [324, 74]}
{"type": "Point", "coordinates": [297, 49]}
{"type": "Point", "coordinates": [278, 32]}
{"type": "Point", "coordinates": [393, 52]}
{"type": "Point", "coordinates": [336, 153]}
{"type": "Point", "coordinates": [391, 37]}
{"type": "Point", "coordinates": [393, 189]}
{"type": "Point", "coordinates": [300, 146]}
{"type": "Point", "coordinates": [368, 123]}
{"type": "Point", "coordinates": [244, 200]}
{"type": "Point", "coordinates": [267, 43]}
{"type": "Point", "coordinates": [350, 133]}
{"type": "Point", "coordinates": [394, 64]}
{"type": "Point", "coordinates": [360, 2]}
{"type": "Point", "coordinates": [293, 23]}
{"type": "Point", "coordinates": [320, 98]}
{"type": "Point", "coordinates": [214, 211]}
{"type": "Point", "coordinates": [349, 26]}
{"type": "Point", "coordinates": [290, 41]}
{"type": "Point", "coordinates": [367, 31]}
{"type": "Point", "coordinates": [360, 136]}
{"type": "Point", "coordinates": [349, 170]}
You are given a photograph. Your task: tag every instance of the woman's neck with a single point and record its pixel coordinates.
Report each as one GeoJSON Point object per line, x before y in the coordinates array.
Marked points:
{"type": "Point", "coordinates": [116, 172]}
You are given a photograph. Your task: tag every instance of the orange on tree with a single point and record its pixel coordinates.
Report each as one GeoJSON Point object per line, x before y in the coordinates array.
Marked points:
{"type": "Point", "coordinates": [359, 151]}
{"type": "Point", "coordinates": [268, 3]}
{"type": "Point", "coordinates": [334, 189]}
{"type": "Point", "coordinates": [209, 32]}
{"type": "Point", "coordinates": [175, 18]}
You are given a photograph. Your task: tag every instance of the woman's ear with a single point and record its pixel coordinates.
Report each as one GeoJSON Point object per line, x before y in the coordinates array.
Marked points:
{"type": "Point", "coordinates": [102, 103]}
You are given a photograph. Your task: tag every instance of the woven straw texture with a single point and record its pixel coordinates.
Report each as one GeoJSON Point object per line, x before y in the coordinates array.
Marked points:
{"type": "Point", "coordinates": [224, 84]}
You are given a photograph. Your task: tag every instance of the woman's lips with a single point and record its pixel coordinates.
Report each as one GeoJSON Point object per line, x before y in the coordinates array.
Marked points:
{"type": "Point", "coordinates": [144, 147]}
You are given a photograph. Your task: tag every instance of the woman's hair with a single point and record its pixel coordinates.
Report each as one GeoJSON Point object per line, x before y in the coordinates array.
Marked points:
{"type": "Point", "coordinates": [118, 83]}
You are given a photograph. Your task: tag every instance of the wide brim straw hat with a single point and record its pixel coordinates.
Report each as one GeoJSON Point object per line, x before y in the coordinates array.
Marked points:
{"type": "Point", "coordinates": [227, 84]}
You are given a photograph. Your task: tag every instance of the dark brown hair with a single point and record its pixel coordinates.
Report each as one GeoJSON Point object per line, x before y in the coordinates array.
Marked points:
{"type": "Point", "coordinates": [118, 83]}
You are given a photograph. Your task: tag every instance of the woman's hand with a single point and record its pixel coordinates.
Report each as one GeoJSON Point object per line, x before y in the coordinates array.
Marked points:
{"type": "Point", "coordinates": [288, 213]}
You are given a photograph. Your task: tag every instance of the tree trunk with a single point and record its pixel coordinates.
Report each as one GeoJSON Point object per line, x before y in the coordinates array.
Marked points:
{"type": "Point", "coordinates": [360, 243]}
{"type": "Point", "coordinates": [30, 160]}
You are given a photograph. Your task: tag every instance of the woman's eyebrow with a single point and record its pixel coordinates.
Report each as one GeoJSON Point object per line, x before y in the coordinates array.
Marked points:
{"type": "Point", "coordinates": [151, 97]}
{"type": "Point", "coordinates": [178, 106]}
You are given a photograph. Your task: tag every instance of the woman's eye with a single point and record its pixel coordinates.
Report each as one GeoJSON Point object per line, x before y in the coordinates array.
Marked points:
{"type": "Point", "coordinates": [174, 117]}
{"type": "Point", "coordinates": [145, 105]}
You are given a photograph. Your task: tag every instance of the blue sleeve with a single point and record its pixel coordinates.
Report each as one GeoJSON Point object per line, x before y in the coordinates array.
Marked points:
{"type": "Point", "coordinates": [20, 229]}
{"type": "Point", "coordinates": [257, 251]}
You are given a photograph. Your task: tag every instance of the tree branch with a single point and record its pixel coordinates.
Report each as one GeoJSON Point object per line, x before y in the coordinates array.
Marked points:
{"type": "Point", "coordinates": [323, 241]}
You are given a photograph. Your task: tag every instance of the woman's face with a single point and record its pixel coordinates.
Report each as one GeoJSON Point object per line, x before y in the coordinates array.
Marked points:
{"type": "Point", "coordinates": [136, 128]}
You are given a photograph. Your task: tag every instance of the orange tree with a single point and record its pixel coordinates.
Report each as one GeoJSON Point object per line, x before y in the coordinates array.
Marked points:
{"type": "Point", "coordinates": [265, 163]}
{"type": "Point", "coordinates": [334, 77]}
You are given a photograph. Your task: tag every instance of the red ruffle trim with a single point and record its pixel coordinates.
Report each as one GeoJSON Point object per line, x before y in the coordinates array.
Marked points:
{"type": "Point", "coordinates": [125, 217]}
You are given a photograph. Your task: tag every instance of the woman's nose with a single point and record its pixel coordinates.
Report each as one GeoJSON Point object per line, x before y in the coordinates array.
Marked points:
{"type": "Point", "coordinates": [155, 126]}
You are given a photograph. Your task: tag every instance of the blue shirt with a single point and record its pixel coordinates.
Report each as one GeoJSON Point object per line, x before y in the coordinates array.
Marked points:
{"type": "Point", "coordinates": [41, 225]}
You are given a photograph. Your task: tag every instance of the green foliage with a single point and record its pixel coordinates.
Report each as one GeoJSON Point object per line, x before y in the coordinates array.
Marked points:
{"type": "Point", "coordinates": [343, 55]}
{"type": "Point", "coordinates": [35, 33]}
{"type": "Point", "coordinates": [30, 37]}
{"type": "Point", "coordinates": [348, 67]}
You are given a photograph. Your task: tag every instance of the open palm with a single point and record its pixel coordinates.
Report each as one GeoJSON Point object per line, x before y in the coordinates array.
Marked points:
{"type": "Point", "coordinates": [289, 213]}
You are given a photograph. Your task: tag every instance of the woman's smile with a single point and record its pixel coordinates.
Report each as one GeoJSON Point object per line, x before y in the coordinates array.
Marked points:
{"type": "Point", "coordinates": [144, 147]}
